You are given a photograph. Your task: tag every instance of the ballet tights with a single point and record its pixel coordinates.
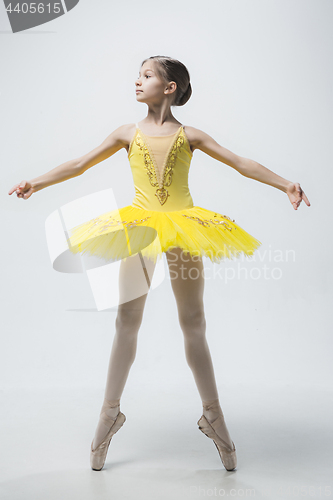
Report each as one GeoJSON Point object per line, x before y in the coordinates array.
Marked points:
{"type": "Point", "coordinates": [193, 325]}
{"type": "Point", "coordinates": [200, 362]}
{"type": "Point", "coordinates": [121, 359]}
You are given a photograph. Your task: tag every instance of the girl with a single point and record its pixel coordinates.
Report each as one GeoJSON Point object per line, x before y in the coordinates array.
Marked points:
{"type": "Point", "coordinates": [160, 150]}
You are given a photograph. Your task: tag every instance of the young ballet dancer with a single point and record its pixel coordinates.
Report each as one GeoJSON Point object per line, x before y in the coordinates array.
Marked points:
{"type": "Point", "coordinates": [160, 150]}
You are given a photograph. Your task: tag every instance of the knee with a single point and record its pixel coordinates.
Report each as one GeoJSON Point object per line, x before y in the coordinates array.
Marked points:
{"type": "Point", "coordinates": [193, 323]}
{"type": "Point", "coordinates": [128, 321]}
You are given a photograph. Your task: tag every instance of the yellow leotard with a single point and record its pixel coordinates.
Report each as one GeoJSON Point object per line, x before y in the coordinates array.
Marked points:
{"type": "Point", "coordinates": [162, 214]}
{"type": "Point", "coordinates": [162, 184]}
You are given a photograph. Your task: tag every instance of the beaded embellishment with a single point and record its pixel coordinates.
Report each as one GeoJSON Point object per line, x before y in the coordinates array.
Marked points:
{"type": "Point", "coordinates": [113, 222]}
{"type": "Point", "coordinates": [162, 194]}
{"type": "Point", "coordinates": [205, 222]}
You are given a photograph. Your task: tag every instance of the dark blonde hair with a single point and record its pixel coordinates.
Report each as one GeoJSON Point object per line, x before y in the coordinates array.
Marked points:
{"type": "Point", "coordinates": [172, 70]}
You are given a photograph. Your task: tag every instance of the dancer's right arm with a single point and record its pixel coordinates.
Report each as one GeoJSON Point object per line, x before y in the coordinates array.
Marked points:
{"type": "Point", "coordinates": [73, 168]}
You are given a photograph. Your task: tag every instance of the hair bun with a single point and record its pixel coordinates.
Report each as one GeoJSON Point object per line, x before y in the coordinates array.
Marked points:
{"type": "Point", "coordinates": [185, 96]}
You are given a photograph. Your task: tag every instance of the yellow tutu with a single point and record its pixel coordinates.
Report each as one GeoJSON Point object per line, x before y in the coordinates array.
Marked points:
{"type": "Point", "coordinates": [162, 215]}
{"type": "Point", "coordinates": [196, 230]}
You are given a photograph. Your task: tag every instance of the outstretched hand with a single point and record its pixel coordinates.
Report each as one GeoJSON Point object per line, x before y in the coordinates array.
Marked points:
{"type": "Point", "coordinates": [23, 190]}
{"type": "Point", "coordinates": [296, 195]}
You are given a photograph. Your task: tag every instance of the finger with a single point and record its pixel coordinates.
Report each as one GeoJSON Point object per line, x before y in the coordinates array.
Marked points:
{"type": "Point", "coordinates": [11, 191]}
{"type": "Point", "coordinates": [304, 197]}
{"type": "Point", "coordinates": [21, 187]}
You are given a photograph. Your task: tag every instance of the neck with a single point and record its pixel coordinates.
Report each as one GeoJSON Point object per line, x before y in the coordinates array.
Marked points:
{"type": "Point", "coordinates": [159, 115]}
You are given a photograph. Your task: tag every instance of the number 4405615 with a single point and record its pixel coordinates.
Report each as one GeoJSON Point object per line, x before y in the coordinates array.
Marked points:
{"type": "Point", "coordinates": [33, 7]}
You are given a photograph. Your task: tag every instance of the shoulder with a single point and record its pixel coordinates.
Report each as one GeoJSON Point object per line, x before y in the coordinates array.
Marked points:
{"type": "Point", "coordinates": [195, 136]}
{"type": "Point", "coordinates": [124, 133]}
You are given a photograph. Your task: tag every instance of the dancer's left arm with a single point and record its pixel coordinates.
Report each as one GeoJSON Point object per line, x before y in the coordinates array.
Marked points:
{"type": "Point", "coordinates": [245, 166]}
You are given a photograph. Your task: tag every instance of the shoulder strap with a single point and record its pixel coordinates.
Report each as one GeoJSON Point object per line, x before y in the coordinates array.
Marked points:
{"type": "Point", "coordinates": [137, 126]}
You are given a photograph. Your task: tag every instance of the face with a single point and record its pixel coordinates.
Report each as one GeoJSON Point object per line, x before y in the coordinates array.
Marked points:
{"type": "Point", "coordinates": [149, 87]}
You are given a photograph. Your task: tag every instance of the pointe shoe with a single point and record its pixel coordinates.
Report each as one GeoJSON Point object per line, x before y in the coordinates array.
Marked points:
{"type": "Point", "coordinates": [98, 455]}
{"type": "Point", "coordinates": [227, 454]}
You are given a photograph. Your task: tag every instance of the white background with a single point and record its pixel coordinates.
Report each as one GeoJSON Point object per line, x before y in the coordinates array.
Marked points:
{"type": "Point", "coordinates": [261, 73]}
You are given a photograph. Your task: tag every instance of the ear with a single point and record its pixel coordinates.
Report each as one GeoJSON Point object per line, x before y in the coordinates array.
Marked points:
{"type": "Point", "coordinates": [171, 88]}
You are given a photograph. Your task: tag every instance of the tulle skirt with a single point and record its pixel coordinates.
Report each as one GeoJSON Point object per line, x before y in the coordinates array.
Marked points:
{"type": "Point", "coordinates": [120, 233]}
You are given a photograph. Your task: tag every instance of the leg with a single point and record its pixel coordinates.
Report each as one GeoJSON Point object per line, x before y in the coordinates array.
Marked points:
{"type": "Point", "coordinates": [127, 325]}
{"type": "Point", "coordinates": [187, 281]}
